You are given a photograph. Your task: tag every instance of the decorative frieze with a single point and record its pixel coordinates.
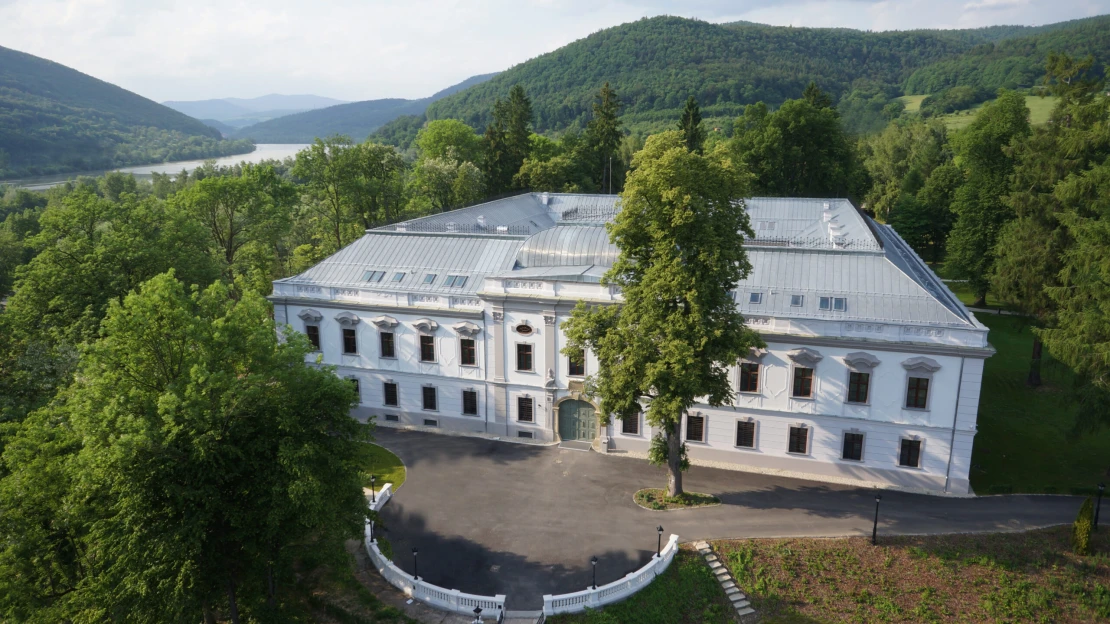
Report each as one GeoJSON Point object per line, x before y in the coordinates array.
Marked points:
{"type": "Point", "coordinates": [466, 302]}
{"type": "Point", "coordinates": [344, 293]}
{"type": "Point", "coordinates": [865, 328]}
{"type": "Point", "coordinates": [526, 285]}
{"type": "Point", "coordinates": [417, 299]}
{"type": "Point", "coordinates": [761, 321]}
{"type": "Point", "coordinates": [310, 290]}
{"type": "Point", "coordinates": [923, 331]}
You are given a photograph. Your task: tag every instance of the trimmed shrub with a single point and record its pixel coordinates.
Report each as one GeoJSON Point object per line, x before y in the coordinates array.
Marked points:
{"type": "Point", "coordinates": [1081, 531]}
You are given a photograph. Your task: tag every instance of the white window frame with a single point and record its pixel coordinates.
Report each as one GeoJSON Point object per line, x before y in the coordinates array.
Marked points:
{"type": "Point", "coordinates": [516, 357]}
{"type": "Point", "coordinates": [704, 428]}
{"type": "Point", "coordinates": [755, 298]}
{"type": "Point", "coordinates": [639, 427]}
{"type": "Point", "coordinates": [532, 400]}
{"type": "Point", "coordinates": [801, 300]}
{"type": "Point", "coordinates": [758, 380]}
{"type": "Point", "coordinates": [477, 404]}
{"type": "Point", "coordinates": [397, 391]}
{"type": "Point", "coordinates": [420, 348]}
{"type": "Point", "coordinates": [475, 341]}
{"type": "Point", "coordinates": [812, 383]}
{"type": "Point", "coordinates": [358, 386]}
{"type": "Point", "coordinates": [924, 368]}
{"type": "Point", "coordinates": [424, 404]}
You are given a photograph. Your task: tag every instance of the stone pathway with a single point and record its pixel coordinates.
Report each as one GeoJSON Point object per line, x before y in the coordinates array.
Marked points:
{"type": "Point", "coordinates": [744, 610]}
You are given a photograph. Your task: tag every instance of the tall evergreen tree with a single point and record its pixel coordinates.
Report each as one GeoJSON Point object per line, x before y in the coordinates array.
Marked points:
{"type": "Point", "coordinates": [518, 128]}
{"type": "Point", "coordinates": [690, 126]}
{"type": "Point", "coordinates": [816, 97]}
{"type": "Point", "coordinates": [497, 161]}
{"type": "Point", "coordinates": [603, 136]}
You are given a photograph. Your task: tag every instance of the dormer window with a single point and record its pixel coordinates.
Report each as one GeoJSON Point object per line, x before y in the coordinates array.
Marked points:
{"type": "Point", "coordinates": [398, 276]}
{"type": "Point", "coordinates": [373, 276]}
{"type": "Point", "coordinates": [430, 278]}
{"type": "Point", "coordinates": [755, 298]}
{"type": "Point", "coordinates": [456, 281]}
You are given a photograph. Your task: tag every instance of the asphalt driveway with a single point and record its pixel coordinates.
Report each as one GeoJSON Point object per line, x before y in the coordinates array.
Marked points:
{"type": "Point", "coordinates": [493, 517]}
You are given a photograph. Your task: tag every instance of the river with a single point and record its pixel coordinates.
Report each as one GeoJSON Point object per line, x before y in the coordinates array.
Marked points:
{"type": "Point", "coordinates": [262, 151]}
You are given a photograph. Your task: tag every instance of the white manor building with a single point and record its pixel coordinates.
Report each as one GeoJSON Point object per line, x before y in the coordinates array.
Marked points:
{"type": "Point", "coordinates": [452, 322]}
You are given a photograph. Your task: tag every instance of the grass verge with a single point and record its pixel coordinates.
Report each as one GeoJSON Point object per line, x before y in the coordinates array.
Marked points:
{"type": "Point", "coordinates": [1010, 577]}
{"type": "Point", "coordinates": [384, 466]}
{"type": "Point", "coordinates": [686, 593]}
{"type": "Point", "coordinates": [654, 498]}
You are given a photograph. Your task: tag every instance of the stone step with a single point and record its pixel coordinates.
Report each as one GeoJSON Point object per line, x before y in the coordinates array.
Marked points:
{"type": "Point", "coordinates": [733, 590]}
{"type": "Point", "coordinates": [729, 585]}
{"type": "Point", "coordinates": [716, 565]}
{"type": "Point", "coordinates": [722, 572]}
{"type": "Point", "coordinates": [711, 557]}
{"type": "Point", "coordinates": [741, 604]}
{"type": "Point", "coordinates": [700, 545]}
{"type": "Point", "coordinates": [745, 611]}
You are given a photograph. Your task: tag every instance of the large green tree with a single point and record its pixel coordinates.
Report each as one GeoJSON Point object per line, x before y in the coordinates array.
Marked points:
{"type": "Point", "coordinates": [194, 457]}
{"type": "Point", "coordinates": [677, 331]}
{"type": "Point", "coordinates": [690, 125]}
{"type": "Point", "coordinates": [900, 159]}
{"type": "Point", "coordinates": [603, 137]}
{"type": "Point", "coordinates": [441, 135]}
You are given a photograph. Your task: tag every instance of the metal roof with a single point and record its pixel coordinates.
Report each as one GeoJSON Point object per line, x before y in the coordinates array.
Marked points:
{"type": "Point", "coordinates": [568, 245]}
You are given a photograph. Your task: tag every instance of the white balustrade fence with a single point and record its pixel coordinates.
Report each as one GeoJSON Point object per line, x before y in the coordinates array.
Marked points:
{"type": "Point", "coordinates": [613, 592]}
{"type": "Point", "coordinates": [447, 599]}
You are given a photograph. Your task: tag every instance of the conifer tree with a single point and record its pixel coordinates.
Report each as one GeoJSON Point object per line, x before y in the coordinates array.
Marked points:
{"type": "Point", "coordinates": [691, 127]}
{"type": "Point", "coordinates": [518, 128]}
{"type": "Point", "coordinates": [603, 136]}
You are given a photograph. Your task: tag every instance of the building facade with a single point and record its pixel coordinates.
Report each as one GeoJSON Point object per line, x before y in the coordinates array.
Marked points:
{"type": "Point", "coordinates": [452, 322]}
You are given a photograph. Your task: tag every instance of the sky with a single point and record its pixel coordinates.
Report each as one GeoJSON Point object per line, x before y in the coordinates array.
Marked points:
{"type": "Point", "coordinates": [368, 49]}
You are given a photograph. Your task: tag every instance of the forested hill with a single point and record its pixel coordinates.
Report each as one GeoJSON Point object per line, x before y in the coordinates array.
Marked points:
{"type": "Point", "coordinates": [655, 63]}
{"type": "Point", "coordinates": [356, 119]}
{"type": "Point", "coordinates": [54, 119]}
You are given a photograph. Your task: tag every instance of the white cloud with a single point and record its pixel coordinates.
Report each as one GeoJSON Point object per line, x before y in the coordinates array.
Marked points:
{"type": "Point", "coordinates": [361, 49]}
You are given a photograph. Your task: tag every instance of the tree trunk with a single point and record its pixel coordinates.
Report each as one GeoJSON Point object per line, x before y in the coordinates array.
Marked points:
{"type": "Point", "coordinates": [209, 617]}
{"type": "Point", "coordinates": [674, 461]}
{"type": "Point", "coordinates": [232, 606]}
{"type": "Point", "coordinates": [1035, 365]}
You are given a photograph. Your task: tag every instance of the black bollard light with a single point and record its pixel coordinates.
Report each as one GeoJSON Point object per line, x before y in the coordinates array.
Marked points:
{"type": "Point", "coordinates": [373, 496]}
{"type": "Point", "coordinates": [477, 615]}
{"type": "Point", "coordinates": [593, 562]}
{"type": "Point", "coordinates": [1098, 505]}
{"type": "Point", "coordinates": [659, 542]}
{"type": "Point", "coordinates": [415, 567]}
{"type": "Point", "coordinates": [875, 527]}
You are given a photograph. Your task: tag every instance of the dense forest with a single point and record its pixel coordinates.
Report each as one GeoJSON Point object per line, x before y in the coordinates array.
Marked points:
{"type": "Point", "coordinates": [57, 120]}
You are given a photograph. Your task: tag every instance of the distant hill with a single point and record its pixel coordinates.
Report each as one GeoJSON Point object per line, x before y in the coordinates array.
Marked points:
{"type": "Point", "coordinates": [655, 63]}
{"type": "Point", "coordinates": [54, 119]}
{"type": "Point", "coordinates": [219, 125]}
{"type": "Point", "coordinates": [356, 119]}
{"type": "Point", "coordinates": [241, 112]}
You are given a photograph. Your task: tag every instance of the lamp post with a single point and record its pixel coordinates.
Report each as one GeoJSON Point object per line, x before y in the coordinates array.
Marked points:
{"type": "Point", "coordinates": [373, 496]}
{"type": "Point", "coordinates": [875, 527]}
{"type": "Point", "coordinates": [415, 567]}
{"type": "Point", "coordinates": [593, 562]}
{"type": "Point", "coordinates": [1098, 505]}
{"type": "Point", "coordinates": [659, 542]}
{"type": "Point", "coordinates": [477, 615]}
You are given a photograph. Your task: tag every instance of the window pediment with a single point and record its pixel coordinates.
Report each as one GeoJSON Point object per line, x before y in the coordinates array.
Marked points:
{"type": "Point", "coordinates": [384, 322]}
{"type": "Point", "coordinates": [805, 356]}
{"type": "Point", "coordinates": [425, 325]}
{"type": "Point", "coordinates": [466, 328]}
{"type": "Point", "coordinates": [861, 360]}
{"type": "Point", "coordinates": [310, 316]}
{"type": "Point", "coordinates": [755, 355]}
{"type": "Point", "coordinates": [921, 365]}
{"type": "Point", "coordinates": [347, 319]}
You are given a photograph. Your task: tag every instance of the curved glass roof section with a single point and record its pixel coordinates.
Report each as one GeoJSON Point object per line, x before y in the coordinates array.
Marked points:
{"type": "Point", "coordinates": [568, 245]}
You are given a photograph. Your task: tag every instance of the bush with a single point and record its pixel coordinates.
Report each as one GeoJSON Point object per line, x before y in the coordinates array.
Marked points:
{"type": "Point", "coordinates": [1081, 531]}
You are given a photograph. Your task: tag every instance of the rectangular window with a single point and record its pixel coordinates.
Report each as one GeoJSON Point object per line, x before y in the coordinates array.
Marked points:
{"type": "Point", "coordinates": [826, 303]}
{"type": "Point", "coordinates": [755, 297]}
{"type": "Point", "coordinates": [427, 349]}
{"type": "Point", "coordinates": [803, 383]}
{"type": "Point", "coordinates": [524, 357]}
{"type": "Point", "coordinates": [576, 364]}
{"type": "Point", "coordinates": [398, 277]}
{"type": "Point", "coordinates": [357, 387]}
{"type": "Point", "coordinates": [796, 301]}
{"type": "Point", "coordinates": [456, 281]}
{"type": "Point", "coordinates": [917, 393]}
{"type": "Point", "coordinates": [840, 304]}
{"type": "Point", "coordinates": [373, 276]}
{"type": "Point", "coordinates": [749, 377]}
{"type": "Point", "coordinates": [524, 434]}
{"type": "Point", "coordinates": [431, 422]}
{"type": "Point", "coordinates": [858, 386]}
{"type": "Point", "coordinates": [313, 333]}
{"type": "Point", "coordinates": [430, 400]}
{"type": "Point", "coordinates": [392, 418]}
{"type": "Point", "coordinates": [695, 428]}
{"type": "Point", "coordinates": [386, 340]}
{"type": "Point", "coordinates": [468, 352]}
{"type": "Point", "coordinates": [470, 402]}
{"type": "Point", "coordinates": [389, 391]}
{"type": "Point", "coordinates": [745, 433]}
{"type": "Point", "coordinates": [853, 447]}
{"type": "Point", "coordinates": [350, 342]}
{"type": "Point", "coordinates": [911, 454]}
{"type": "Point", "coordinates": [430, 278]}
{"type": "Point", "coordinates": [799, 440]}
{"type": "Point", "coordinates": [631, 425]}
{"type": "Point", "coordinates": [524, 409]}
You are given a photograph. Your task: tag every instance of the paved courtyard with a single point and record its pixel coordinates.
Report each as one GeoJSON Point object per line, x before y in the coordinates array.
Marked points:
{"type": "Point", "coordinates": [496, 517]}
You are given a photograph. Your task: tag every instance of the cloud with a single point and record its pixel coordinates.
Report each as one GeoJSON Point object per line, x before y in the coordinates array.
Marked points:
{"type": "Point", "coordinates": [994, 4]}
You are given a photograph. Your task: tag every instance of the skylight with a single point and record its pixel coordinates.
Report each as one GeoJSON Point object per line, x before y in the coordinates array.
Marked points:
{"type": "Point", "coordinates": [430, 278]}
{"type": "Point", "coordinates": [373, 276]}
{"type": "Point", "coordinates": [398, 276]}
{"type": "Point", "coordinates": [456, 281]}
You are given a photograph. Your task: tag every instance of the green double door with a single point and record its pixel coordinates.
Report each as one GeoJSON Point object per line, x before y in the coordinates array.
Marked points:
{"type": "Point", "coordinates": [577, 421]}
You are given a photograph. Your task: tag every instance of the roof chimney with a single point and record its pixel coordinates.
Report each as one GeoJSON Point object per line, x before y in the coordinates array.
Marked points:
{"type": "Point", "coordinates": [545, 198]}
{"type": "Point", "coordinates": [482, 221]}
{"type": "Point", "coordinates": [502, 229]}
{"type": "Point", "coordinates": [402, 227]}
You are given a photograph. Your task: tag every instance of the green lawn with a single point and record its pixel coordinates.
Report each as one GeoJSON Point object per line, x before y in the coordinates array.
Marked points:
{"type": "Point", "coordinates": [1024, 442]}
{"type": "Point", "coordinates": [1040, 108]}
{"type": "Point", "coordinates": [912, 102]}
{"type": "Point", "coordinates": [686, 593]}
{"type": "Point", "coordinates": [384, 465]}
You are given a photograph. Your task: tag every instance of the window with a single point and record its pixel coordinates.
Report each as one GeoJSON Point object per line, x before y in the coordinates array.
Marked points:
{"type": "Point", "coordinates": [853, 447]}
{"type": "Point", "coordinates": [430, 278]}
{"type": "Point", "coordinates": [456, 281]}
{"type": "Point", "coordinates": [427, 348]}
{"type": "Point", "coordinates": [576, 364]}
{"type": "Point", "coordinates": [524, 434]}
{"type": "Point", "coordinates": [858, 386]}
{"type": "Point", "coordinates": [389, 391]}
{"type": "Point", "coordinates": [350, 342]}
{"type": "Point", "coordinates": [631, 425]}
{"type": "Point", "coordinates": [470, 402]}
{"type": "Point", "coordinates": [431, 422]}
{"type": "Point", "coordinates": [695, 428]}
{"type": "Point", "coordinates": [745, 433]}
{"type": "Point", "coordinates": [911, 454]}
{"type": "Point", "coordinates": [796, 301]}
{"type": "Point", "coordinates": [468, 352]}
{"type": "Point", "coordinates": [749, 377]}
{"type": "Point", "coordinates": [524, 409]}
{"type": "Point", "coordinates": [386, 340]}
{"type": "Point", "coordinates": [524, 357]}
{"type": "Point", "coordinates": [840, 304]}
{"type": "Point", "coordinates": [313, 333]}
{"type": "Point", "coordinates": [755, 297]}
{"type": "Point", "coordinates": [430, 400]}
{"type": "Point", "coordinates": [799, 440]}
{"type": "Point", "coordinates": [917, 393]}
{"type": "Point", "coordinates": [826, 303]}
{"type": "Point", "coordinates": [373, 276]}
{"type": "Point", "coordinates": [357, 387]}
{"type": "Point", "coordinates": [392, 418]}
{"type": "Point", "coordinates": [398, 276]}
{"type": "Point", "coordinates": [803, 383]}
